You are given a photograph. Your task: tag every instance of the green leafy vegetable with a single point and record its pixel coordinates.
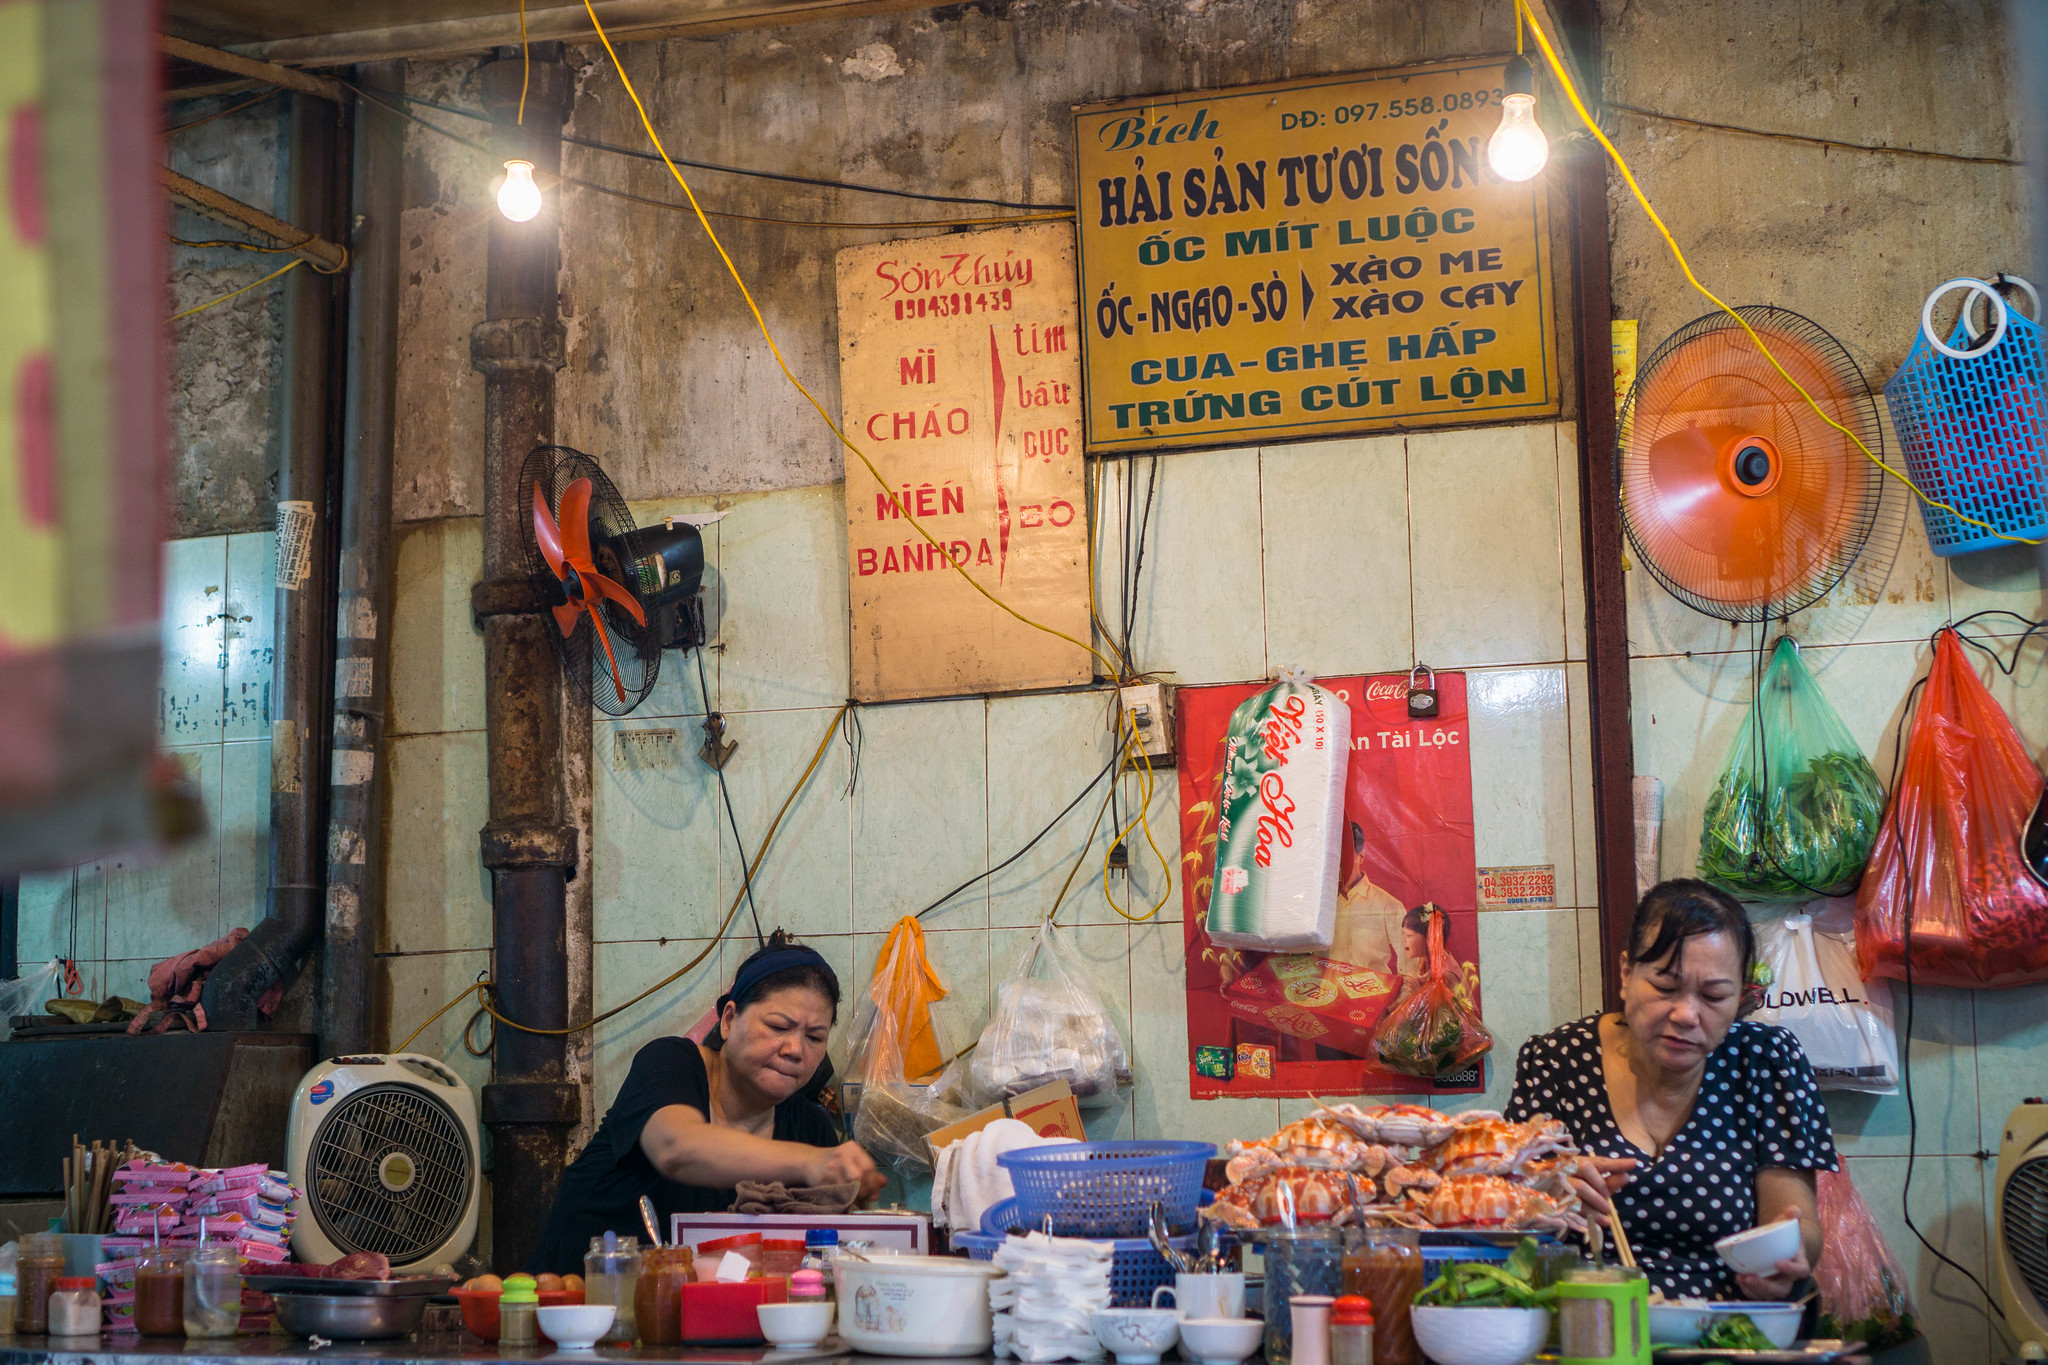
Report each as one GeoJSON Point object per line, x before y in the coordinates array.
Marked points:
{"type": "Point", "coordinates": [1879, 1331]}
{"type": "Point", "coordinates": [1488, 1284]}
{"type": "Point", "coordinates": [1735, 1332]}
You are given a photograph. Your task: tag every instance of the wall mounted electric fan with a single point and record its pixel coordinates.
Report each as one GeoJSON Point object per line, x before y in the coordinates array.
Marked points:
{"type": "Point", "coordinates": [619, 594]}
{"type": "Point", "coordinates": [2020, 1218]}
{"type": "Point", "coordinates": [1738, 498]}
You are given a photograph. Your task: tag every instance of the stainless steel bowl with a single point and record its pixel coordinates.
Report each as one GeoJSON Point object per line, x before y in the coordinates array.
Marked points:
{"type": "Point", "coordinates": [349, 1318]}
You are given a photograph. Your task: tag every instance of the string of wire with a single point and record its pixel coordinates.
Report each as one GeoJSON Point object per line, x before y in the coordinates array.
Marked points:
{"type": "Point", "coordinates": [282, 270]}
{"type": "Point", "coordinates": [1571, 90]}
{"type": "Point", "coordinates": [1878, 147]}
{"type": "Point", "coordinates": [269, 94]}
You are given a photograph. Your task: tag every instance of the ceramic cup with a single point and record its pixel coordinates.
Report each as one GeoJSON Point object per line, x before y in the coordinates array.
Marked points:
{"type": "Point", "coordinates": [1218, 1294]}
{"type": "Point", "coordinates": [1136, 1336]}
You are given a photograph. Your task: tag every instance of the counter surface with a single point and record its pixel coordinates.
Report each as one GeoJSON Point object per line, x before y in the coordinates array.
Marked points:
{"type": "Point", "coordinates": [460, 1346]}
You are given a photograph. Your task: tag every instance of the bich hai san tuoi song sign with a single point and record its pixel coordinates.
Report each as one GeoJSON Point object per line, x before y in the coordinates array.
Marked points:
{"type": "Point", "coordinates": [1309, 259]}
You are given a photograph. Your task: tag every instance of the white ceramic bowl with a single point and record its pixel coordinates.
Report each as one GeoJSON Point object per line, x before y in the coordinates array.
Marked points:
{"type": "Point", "coordinates": [1758, 1251]}
{"type": "Point", "coordinates": [1481, 1336]}
{"type": "Point", "coordinates": [796, 1325]}
{"type": "Point", "coordinates": [1136, 1336]}
{"type": "Point", "coordinates": [1220, 1341]}
{"type": "Point", "coordinates": [1778, 1321]}
{"type": "Point", "coordinates": [575, 1326]}
{"type": "Point", "coordinates": [915, 1305]}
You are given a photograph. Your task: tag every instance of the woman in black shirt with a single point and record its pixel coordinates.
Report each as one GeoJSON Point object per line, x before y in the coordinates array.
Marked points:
{"type": "Point", "coordinates": [694, 1119]}
{"type": "Point", "coordinates": [1699, 1125]}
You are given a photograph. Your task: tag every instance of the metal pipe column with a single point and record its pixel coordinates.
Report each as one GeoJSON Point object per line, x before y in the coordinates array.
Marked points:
{"type": "Point", "coordinates": [530, 843]}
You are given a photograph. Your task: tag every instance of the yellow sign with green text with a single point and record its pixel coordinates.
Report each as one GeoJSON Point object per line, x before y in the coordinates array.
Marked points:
{"type": "Point", "coordinates": [1309, 259]}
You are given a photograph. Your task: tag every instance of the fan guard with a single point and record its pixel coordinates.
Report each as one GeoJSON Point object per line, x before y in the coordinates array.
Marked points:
{"type": "Point", "coordinates": [1737, 497]}
{"type": "Point", "coordinates": [390, 1171]}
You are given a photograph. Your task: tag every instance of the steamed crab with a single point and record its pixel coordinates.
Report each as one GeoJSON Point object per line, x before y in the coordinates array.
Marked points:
{"type": "Point", "coordinates": [1484, 1143]}
{"type": "Point", "coordinates": [1492, 1201]}
{"type": "Point", "coordinates": [1319, 1141]}
{"type": "Point", "coordinates": [1396, 1125]}
{"type": "Point", "coordinates": [1318, 1194]}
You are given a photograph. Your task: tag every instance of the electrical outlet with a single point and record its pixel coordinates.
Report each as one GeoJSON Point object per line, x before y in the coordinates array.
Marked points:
{"type": "Point", "coordinates": [1148, 709]}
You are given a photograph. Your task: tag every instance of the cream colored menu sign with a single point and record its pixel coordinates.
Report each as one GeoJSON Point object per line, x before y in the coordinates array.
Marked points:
{"type": "Point", "coordinates": [960, 380]}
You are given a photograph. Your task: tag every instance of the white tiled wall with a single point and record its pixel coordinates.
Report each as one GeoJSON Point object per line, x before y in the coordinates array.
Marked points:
{"type": "Point", "coordinates": [119, 917]}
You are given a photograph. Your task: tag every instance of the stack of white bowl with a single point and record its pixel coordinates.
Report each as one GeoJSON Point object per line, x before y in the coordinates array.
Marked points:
{"type": "Point", "coordinates": [1043, 1303]}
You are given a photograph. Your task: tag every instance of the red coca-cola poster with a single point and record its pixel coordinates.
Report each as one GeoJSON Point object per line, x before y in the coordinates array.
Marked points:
{"type": "Point", "coordinates": [1298, 1024]}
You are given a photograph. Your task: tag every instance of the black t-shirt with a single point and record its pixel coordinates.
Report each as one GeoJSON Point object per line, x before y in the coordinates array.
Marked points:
{"type": "Point", "coordinates": [601, 1190]}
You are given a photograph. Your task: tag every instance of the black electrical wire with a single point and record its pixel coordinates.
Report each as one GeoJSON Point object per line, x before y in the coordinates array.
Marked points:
{"type": "Point", "coordinates": [746, 875]}
{"type": "Point", "coordinates": [596, 146]}
{"type": "Point", "coordinates": [856, 740]}
{"type": "Point", "coordinates": [1064, 812]}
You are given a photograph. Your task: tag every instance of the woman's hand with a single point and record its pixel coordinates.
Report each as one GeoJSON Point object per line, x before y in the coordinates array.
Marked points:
{"type": "Point", "coordinates": [1598, 1177]}
{"type": "Point", "coordinates": [1778, 1285]}
{"type": "Point", "coordinates": [845, 1164]}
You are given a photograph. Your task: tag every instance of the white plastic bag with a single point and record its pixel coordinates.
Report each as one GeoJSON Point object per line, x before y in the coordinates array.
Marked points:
{"type": "Point", "coordinates": [25, 995]}
{"type": "Point", "coordinates": [1844, 1024]}
{"type": "Point", "coordinates": [1285, 759]}
{"type": "Point", "coordinates": [1049, 1025]}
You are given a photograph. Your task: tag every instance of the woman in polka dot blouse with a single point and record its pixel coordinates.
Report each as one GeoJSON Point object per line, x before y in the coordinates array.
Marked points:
{"type": "Point", "coordinates": [1701, 1125]}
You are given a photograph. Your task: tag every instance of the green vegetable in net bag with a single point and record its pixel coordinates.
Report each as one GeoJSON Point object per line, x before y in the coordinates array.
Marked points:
{"type": "Point", "coordinates": [1798, 805]}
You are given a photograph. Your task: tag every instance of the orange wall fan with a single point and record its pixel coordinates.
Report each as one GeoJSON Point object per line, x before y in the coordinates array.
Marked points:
{"type": "Point", "coordinates": [1738, 498]}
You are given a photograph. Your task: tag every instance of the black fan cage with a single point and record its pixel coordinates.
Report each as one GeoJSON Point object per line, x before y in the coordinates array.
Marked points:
{"type": "Point", "coordinates": [385, 1135]}
{"type": "Point", "coordinates": [2023, 1225]}
{"type": "Point", "coordinates": [1868, 508]}
{"type": "Point", "coordinates": [616, 551]}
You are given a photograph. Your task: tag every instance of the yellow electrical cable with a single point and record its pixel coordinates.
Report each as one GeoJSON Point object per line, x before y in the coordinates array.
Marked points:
{"type": "Point", "coordinates": [291, 265]}
{"type": "Point", "coordinates": [1571, 91]}
{"type": "Point", "coordinates": [484, 989]}
{"type": "Point", "coordinates": [787, 373]}
{"type": "Point", "coordinates": [1134, 756]}
{"type": "Point", "coordinates": [525, 63]}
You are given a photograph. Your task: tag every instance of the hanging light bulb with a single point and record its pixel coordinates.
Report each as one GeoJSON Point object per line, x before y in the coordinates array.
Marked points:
{"type": "Point", "coordinates": [519, 197]}
{"type": "Point", "coordinates": [1518, 148]}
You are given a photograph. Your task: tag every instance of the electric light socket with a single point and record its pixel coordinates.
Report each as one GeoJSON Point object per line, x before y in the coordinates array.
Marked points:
{"type": "Point", "coordinates": [1148, 708]}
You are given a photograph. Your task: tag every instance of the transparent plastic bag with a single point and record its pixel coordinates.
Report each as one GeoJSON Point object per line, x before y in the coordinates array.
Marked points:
{"type": "Point", "coordinates": [1816, 991]}
{"type": "Point", "coordinates": [1864, 1295]}
{"type": "Point", "coordinates": [899, 1092]}
{"type": "Point", "coordinates": [1966, 790]}
{"type": "Point", "coordinates": [25, 994]}
{"type": "Point", "coordinates": [1798, 806]}
{"type": "Point", "coordinates": [1433, 1027]}
{"type": "Point", "coordinates": [1049, 1025]}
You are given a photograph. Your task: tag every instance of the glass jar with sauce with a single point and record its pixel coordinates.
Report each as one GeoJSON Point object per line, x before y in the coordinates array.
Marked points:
{"type": "Point", "coordinates": [1385, 1266]}
{"type": "Point", "coordinates": [658, 1294]}
{"type": "Point", "coordinates": [160, 1293]}
{"type": "Point", "coordinates": [38, 1265]}
{"type": "Point", "coordinates": [611, 1274]}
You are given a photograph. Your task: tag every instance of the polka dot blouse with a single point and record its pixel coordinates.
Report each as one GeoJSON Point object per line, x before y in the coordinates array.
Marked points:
{"type": "Point", "coordinates": [1758, 1107]}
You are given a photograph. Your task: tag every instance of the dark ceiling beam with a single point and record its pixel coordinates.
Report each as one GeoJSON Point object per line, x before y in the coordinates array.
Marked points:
{"type": "Point", "coordinates": [208, 202]}
{"type": "Point", "coordinates": [623, 20]}
{"type": "Point", "coordinates": [252, 69]}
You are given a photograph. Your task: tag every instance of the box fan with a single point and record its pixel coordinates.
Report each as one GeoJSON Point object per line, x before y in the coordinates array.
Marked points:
{"type": "Point", "coordinates": [2020, 1222]}
{"type": "Point", "coordinates": [385, 1152]}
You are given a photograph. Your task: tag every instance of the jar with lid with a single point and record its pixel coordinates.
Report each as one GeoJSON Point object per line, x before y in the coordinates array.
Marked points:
{"type": "Point", "coordinates": [1308, 1261]}
{"type": "Point", "coordinates": [821, 1250]}
{"type": "Point", "coordinates": [213, 1290]}
{"type": "Point", "coordinates": [807, 1286]}
{"type": "Point", "coordinates": [611, 1274]}
{"type": "Point", "coordinates": [519, 1312]}
{"type": "Point", "coordinates": [1384, 1265]}
{"type": "Point", "coordinates": [658, 1295]}
{"type": "Point", "coordinates": [1351, 1330]}
{"type": "Point", "coordinates": [74, 1307]}
{"type": "Point", "coordinates": [39, 1263]}
{"type": "Point", "coordinates": [160, 1293]}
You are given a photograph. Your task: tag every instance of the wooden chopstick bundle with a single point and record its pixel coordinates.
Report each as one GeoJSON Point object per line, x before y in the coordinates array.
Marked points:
{"type": "Point", "coordinates": [1621, 1246]}
{"type": "Point", "coordinates": [89, 1181]}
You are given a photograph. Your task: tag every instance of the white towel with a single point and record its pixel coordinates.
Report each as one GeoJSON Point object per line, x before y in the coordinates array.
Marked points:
{"type": "Point", "coordinates": [967, 1181]}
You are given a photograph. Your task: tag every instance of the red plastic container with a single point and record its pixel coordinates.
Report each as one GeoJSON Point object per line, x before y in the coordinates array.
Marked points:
{"type": "Point", "coordinates": [480, 1308]}
{"type": "Point", "coordinates": [717, 1314]}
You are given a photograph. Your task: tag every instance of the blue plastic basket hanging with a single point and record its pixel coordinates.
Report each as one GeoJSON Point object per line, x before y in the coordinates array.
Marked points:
{"type": "Point", "coordinates": [1970, 416]}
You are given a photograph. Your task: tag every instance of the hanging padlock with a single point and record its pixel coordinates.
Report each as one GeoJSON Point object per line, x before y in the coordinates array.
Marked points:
{"type": "Point", "coordinates": [1422, 701]}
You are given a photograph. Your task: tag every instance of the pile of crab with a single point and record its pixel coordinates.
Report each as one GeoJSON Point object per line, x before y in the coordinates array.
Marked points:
{"type": "Point", "coordinates": [1402, 1165]}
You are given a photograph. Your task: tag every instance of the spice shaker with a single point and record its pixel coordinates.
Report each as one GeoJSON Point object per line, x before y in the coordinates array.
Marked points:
{"type": "Point", "coordinates": [519, 1312]}
{"type": "Point", "coordinates": [611, 1274]}
{"type": "Point", "coordinates": [1311, 1315]}
{"type": "Point", "coordinates": [74, 1307]}
{"type": "Point", "coordinates": [1351, 1331]}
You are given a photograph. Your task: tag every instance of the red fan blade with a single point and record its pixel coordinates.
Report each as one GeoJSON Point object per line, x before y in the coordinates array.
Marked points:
{"type": "Point", "coordinates": [604, 638]}
{"type": "Point", "coordinates": [576, 525]}
{"type": "Point", "coordinates": [565, 617]}
{"type": "Point", "coordinates": [606, 588]}
{"type": "Point", "coordinates": [546, 533]}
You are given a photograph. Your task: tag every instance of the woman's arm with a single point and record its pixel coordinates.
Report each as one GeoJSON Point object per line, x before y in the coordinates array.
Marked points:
{"type": "Point", "coordinates": [1786, 1194]}
{"type": "Point", "coordinates": [689, 1150]}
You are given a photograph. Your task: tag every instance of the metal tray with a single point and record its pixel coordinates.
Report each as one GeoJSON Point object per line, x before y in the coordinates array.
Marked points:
{"type": "Point", "coordinates": [1804, 1353]}
{"type": "Point", "coordinates": [410, 1286]}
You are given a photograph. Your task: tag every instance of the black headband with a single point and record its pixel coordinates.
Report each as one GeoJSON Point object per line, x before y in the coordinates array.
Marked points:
{"type": "Point", "coordinates": [758, 969]}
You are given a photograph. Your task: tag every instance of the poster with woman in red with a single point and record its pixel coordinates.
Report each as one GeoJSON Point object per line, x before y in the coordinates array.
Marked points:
{"type": "Point", "coordinates": [1298, 1024]}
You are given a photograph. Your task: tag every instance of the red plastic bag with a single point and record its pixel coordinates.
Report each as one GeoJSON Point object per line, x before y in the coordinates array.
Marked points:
{"type": "Point", "coordinates": [1862, 1288]}
{"type": "Point", "coordinates": [1954, 827]}
{"type": "Point", "coordinates": [1433, 1028]}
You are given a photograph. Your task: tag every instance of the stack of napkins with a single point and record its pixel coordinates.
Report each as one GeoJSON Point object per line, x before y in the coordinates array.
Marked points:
{"type": "Point", "coordinates": [1043, 1302]}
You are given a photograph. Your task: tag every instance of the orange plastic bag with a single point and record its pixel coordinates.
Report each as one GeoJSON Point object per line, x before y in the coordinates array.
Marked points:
{"type": "Point", "coordinates": [906, 986]}
{"type": "Point", "coordinates": [1433, 1028]}
{"type": "Point", "coordinates": [1953, 828]}
{"type": "Point", "coordinates": [1864, 1295]}
{"type": "Point", "coordinates": [901, 1088]}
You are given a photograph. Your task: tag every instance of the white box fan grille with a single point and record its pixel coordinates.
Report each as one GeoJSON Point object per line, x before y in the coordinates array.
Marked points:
{"type": "Point", "coordinates": [2024, 1217]}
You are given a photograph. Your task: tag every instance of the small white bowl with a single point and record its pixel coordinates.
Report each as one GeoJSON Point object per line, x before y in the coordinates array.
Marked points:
{"type": "Point", "coordinates": [1481, 1336]}
{"type": "Point", "coordinates": [1220, 1341]}
{"type": "Point", "coordinates": [575, 1326]}
{"type": "Point", "coordinates": [1758, 1251]}
{"type": "Point", "coordinates": [1136, 1336]}
{"type": "Point", "coordinates": [796, 1325]}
